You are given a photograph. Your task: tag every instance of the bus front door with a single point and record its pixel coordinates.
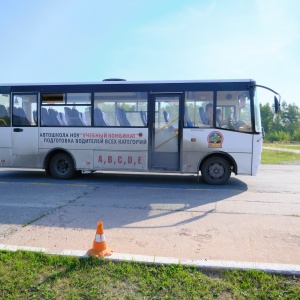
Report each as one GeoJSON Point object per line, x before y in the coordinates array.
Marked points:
{"type": "Point", "coordinates": [165, 132]}
{"type": "Point", "coordinates": [24, 130]}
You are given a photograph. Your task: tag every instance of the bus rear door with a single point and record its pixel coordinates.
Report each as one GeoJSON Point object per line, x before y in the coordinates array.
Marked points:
{"type": "Point", "coordinates": [5, 129]}
{"type": "Point", "coordinates": [24, 130]}
{"type": "Point", "coordinates": [165, 131]}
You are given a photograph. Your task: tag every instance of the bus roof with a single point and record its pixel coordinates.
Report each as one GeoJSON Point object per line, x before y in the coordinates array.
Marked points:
{"type": "Point", "coordinates": [124, 82]}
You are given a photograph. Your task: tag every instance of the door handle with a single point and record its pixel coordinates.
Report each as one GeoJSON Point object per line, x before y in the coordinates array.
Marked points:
{"type": "Point", "coordinates": [18, 129]}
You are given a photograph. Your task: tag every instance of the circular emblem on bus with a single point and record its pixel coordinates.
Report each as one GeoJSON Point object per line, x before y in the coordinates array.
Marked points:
{"type": "Point", "coordinates": [215, 139]}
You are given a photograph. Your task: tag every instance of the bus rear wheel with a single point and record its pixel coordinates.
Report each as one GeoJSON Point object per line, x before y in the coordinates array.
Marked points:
{"type": "Point", "coordinates": [216, 170]}
{"type": "Point", "coordinates": [62, 166]}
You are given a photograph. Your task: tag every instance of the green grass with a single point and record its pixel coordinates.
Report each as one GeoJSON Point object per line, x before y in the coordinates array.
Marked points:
{"type": "Point", "coordinates": [28, 275]}
{"type": "Point", "coordinates": [279, 157]}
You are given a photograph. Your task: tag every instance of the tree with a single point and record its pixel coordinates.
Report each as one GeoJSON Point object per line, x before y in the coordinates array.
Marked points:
{"type": "Point", "coordinates": [290, 117]}
{"type": "Point", "coordinates": [266, 117]}
{"type": "Point", "coordinates": [286, 127]}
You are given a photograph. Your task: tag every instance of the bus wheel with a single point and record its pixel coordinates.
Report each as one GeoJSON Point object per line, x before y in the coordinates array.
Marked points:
{"type": "Point", "coordinates": [62, 166]}
{"type": "Point", "coordinates": [216, 170]}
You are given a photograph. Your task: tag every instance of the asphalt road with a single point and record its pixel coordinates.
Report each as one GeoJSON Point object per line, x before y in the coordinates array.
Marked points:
{"type": "Point", "coordinates": [251, 219]}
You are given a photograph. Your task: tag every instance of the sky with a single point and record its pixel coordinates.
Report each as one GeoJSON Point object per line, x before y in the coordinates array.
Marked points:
{"type": "Point", "coordinates": [139, 40]}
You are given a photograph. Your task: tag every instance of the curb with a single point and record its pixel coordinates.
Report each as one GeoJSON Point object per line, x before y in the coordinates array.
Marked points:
{"type": "Point", "coordinates": [286, 269]}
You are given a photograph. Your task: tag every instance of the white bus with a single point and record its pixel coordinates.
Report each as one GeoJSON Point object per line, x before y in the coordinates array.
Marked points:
{"type": "Point", "coordinates": [188, 127]}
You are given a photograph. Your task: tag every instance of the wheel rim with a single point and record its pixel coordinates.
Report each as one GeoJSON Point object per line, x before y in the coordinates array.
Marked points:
{"type": "Point", "coordinates": [216, 171]}
{"type": "Point", "coordinates": [63, 166]}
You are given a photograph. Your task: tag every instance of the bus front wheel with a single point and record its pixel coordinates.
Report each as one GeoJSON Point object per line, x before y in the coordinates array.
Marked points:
{"type": "Point", "coordinates": [62, 166]}
{"type": "Point", "coordinates": [216, 170]}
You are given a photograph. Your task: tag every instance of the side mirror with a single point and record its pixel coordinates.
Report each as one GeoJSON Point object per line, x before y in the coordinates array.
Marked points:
{"type": "Point", "coordinates": [276, 105]}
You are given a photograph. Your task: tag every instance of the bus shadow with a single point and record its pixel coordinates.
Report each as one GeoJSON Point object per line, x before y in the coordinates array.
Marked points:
{"type": "Point", "coordinates": [146, 200]}
{"type": "Point", "coordinates": [119, 200]}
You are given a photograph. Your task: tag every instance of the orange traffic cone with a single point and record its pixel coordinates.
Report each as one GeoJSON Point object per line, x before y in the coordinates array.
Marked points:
{"type": "Point", "coordinates": [99, 244]}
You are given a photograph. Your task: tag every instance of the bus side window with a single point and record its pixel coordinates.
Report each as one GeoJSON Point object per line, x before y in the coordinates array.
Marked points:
{"type": "Point", "coordinates": [99, 117]}
{"type": "Point", "coordinates": [235, 111]}
{"type": "Point", "coordinates": [198, 109]}
{"type": "Point", "coordinates": [120, 109]}
{"type": "Point", "coordinates": [188, 122]}
{"type": "Point", "coordinates": [144, 117]}
{"type": "Point", "coordinates": [24, 106]}
{"type": "Point", "coordinates": [4, 116]}
{"type": "Point", "coordinates": [122, 118]}
{"type": "Point", "coordinates": [19, 117]}
{"type": "Point", "coordinates": [66, 109]}
{"type": "Point", "coordinates": [202, 115]}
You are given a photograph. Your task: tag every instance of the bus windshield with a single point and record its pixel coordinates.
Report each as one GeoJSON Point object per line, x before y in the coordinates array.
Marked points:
{"type": "Point", "coordinates": [257, 116]}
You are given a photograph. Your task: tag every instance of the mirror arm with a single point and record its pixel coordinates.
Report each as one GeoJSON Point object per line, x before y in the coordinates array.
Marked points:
{"type": "Point", "coordinates": [265, 87]}
{"type": "Point", "coordinates": [276, 102]}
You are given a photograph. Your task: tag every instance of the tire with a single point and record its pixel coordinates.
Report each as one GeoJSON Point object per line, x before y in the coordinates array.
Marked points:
{"type": "Point", "coordinates": [62, 166]}
{"type": "Point", "coordinates": [216, 170]}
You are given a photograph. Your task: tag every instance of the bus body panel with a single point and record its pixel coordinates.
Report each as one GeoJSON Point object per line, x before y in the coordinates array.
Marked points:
{"type": "Point", "coordinates": [257, 149]}
{"type": "Point", "coordinates": [102, 138]}
{"type": "Point", "coordinates": [199, 143]}
{"type": "Point", "coordinates": [121, 160]}
{"type": "Point", "coordinates": [25, 146]}
{"type": "Point", "coordinates": [83, 159]}
{"type": "Point", "coordinates": [99, 148]}
{"type": "Point", "coordinates": [5, 147]}
{"type": "Point", "coordinates": [243, 161]}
